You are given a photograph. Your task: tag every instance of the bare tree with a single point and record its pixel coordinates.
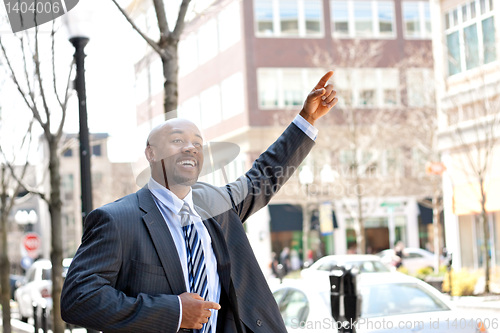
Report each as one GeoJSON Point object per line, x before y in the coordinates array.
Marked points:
{"type": "Point", "coordinates": [166, 47]}
{"type": "Point", "coordinates": [36, 82]}
{"type": "Point", "coordinates": [473, 119]}
{"type": "Point", "coordinates": [10, 173]}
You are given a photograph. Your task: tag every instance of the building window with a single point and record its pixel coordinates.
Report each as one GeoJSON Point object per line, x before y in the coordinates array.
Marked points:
{"type": "Point", "coordinates": [416, 19]}
{"type": "Point", "coordinates": [229, 26]}
{"type": "Point", "coordinates": [368, 87]}
{"type": "Point", "coordinates": [208, 43]}
{"type": "Point", "coordinates": [68, 152]}
{"type": "Point", "coordinates": [210, 102]}
{"type": "Point", "coordinates": [232, 96]}
{"type": "Point", "coordinates": [470, 36]}
{"type": "Point", "coordinates": [420, 92]}
{"type": "Point", "coordinates": [365, 19]}
{"type": "Point", "coordinates": [281, 88]}
{"type": "Point", "coordinates": [288, 18]}
{"type": "Point", "coordinates": [96, 150]}
{"type": "Point", "coordinates": [214, 36]}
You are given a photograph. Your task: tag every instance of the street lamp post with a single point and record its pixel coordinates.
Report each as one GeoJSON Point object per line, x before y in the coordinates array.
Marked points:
{"type": "Point", "coordinates": [86, 179]}
{"type": "Point", "coordinates": [306, 177]}
{"type": "Point", "coordinates": [78, 24]}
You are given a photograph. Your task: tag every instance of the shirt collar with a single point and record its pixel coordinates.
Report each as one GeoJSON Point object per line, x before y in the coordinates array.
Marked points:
{"type": "Point", "coordinates": [169, 199]}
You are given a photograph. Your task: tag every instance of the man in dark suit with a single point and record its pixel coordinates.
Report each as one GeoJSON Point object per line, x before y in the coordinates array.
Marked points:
{"type": "Point", "coordinates": [134, 269]}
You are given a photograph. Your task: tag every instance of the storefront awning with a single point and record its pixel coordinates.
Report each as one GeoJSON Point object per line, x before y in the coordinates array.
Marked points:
{"type": "Point", "coordinates": [285, 217]}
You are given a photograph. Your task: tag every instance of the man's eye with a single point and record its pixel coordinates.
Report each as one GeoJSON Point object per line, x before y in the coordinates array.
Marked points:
{"type": "Point", "coordinates": [176, 140]}
{"type": "Point", "coordinates": [197, 144]}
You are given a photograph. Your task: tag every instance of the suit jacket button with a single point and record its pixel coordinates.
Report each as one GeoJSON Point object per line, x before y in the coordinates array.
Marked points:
{"type": "Point", "coordinates": [259, 322]}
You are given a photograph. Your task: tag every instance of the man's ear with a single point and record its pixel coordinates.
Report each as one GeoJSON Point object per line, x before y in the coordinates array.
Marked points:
{"type": "Point", "coordinates": [150, 154]}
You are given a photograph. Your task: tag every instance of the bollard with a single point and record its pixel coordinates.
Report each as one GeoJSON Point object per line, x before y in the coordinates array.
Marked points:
{"type": "Point", "coordinates": [344, 297]}
{"type": "Point", "coordinates": [35, 319]}
{"type": "Point", "coordinates": [449, 269]}
{"type": "Point", "coordinates": [44, 319]}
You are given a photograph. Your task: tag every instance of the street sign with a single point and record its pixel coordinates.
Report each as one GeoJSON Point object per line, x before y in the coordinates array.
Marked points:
{"type": "Point", "coordinates": [31, 243]}
{"type": "Point", "coordinates": [435, 168]}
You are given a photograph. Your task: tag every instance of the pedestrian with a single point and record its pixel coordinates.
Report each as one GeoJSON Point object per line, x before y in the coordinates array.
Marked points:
{"type": "Point", "coordinates": [174, 256]}
{"type": "Point", "coordinates": [399, 254]}
{"type": "Point", "coordinates": [285, 260]}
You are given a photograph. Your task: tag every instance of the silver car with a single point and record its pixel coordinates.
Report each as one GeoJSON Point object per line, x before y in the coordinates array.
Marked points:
{"type": "Point", "coordinates": [391, 302]}
{"type": "Point", "coordinates": [365, 263]}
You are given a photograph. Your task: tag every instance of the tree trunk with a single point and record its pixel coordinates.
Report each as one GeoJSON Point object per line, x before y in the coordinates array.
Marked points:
{"type": "Point", "coordinates": [170, 74]}
{"type": "Point", "coordinates": [4, 264]}
{"type": "Point", "coordinates": [486, 232]}
{"type": "Point", "coordinates": [4, 257]}
{"type": "Point", "coordinates": [360, 232]}
{"type": "Point", "coordinates": [56, 255]}
{"type": "Point", "coordinates": [435, 222]}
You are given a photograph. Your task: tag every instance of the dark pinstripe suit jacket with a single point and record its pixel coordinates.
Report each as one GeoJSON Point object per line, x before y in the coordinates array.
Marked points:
{"type": "Point", "coordinates": [126, 275]}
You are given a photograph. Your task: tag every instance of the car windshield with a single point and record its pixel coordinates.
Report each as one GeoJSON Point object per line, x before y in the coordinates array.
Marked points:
{"type": "Point", "coordinates": [46, 274]}
{"type": "Point", "coordinates": [397, 298]}
{"type": "Point", "coordinates": [369, 266]}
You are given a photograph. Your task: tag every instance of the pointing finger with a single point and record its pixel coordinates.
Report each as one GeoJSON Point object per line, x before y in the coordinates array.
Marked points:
{"type": "Point", "coordinates": [212, 305]}
{"type": "Point", "coordinates": [322, 82]}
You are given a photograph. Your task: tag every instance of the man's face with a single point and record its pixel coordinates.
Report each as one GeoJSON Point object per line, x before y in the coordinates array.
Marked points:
{"type": "Point", "coordinates": [178, 143]}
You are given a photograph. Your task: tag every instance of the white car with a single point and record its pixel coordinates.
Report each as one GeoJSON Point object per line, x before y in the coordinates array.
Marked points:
{"type": "Point", "coordinates": [391, 302]}
{"type": "Point", "coordinates": [365, 263]}
{"type": "Point", "coordinates": [414, 258]}
{"type": "Point", "coordinates": [36, 287]}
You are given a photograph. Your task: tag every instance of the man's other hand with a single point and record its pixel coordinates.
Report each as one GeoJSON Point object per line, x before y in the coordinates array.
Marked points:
{"type": "Point", "coordinates": [195, 310]}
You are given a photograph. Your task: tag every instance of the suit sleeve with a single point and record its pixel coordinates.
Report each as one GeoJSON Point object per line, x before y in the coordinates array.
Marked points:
{"type": "Point", "coordinates": [269, 172]}
{"type": "Point", "coordinates": [89, 297]}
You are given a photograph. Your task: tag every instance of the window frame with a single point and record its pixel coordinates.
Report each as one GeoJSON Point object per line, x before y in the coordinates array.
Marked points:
{"type": "Point", "coordinates": [457, 20]}
{"type": "Point", "coordinates": [423, 8]}
{"type": "Point", "coordinates": [301, 18]}
{"type": "Point", "coordinates": [375, 20]}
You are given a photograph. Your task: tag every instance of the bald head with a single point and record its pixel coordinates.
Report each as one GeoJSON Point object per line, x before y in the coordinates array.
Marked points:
{"type": "Point", "coordinates": [160, 130]}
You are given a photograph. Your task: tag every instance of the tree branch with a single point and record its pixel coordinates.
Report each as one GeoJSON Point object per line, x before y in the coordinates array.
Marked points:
{"type": "Point", "coordinates": [179, 25]}
{"type": "Point", "coordinates": [162, 19]}
{"type": "Point", "coordinates": [148, 40]}
{"type": "Point", "coordinates": [36, 60]}
{"type": "Point", "coordinates": [33, 107]}
{"type": "Point", "coordinates": [54, 77]}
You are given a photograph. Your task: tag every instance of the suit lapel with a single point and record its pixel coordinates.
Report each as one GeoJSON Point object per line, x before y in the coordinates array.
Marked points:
{"type": "Point", "coordinates": [163, 242]}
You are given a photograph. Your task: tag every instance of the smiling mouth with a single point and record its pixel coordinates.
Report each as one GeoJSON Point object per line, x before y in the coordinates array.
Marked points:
{"type": "Point", "coordinates": [188, 163]}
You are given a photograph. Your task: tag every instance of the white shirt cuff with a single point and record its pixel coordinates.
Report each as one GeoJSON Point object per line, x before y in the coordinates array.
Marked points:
{"type": "Point", "coordinates": [180, 314]}
{"type": "Point", "coordinates": [306, 127]}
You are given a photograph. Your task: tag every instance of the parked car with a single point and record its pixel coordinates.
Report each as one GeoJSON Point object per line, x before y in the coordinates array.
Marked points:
{"type": "Point", "coordinates": [364, 263]}
{"type": "Point", "coordinates": [36, 287]}
{"type": "Point", "coordinates": [391, 302]}
{"type": "Point", "coordinates": [414, 258]}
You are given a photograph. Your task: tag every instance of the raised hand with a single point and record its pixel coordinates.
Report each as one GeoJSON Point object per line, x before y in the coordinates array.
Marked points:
{"type": "Point", "coordinates": [320, 100]}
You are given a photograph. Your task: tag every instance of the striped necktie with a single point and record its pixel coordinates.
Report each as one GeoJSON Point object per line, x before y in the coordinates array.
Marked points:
{"type": "Point", "coordinates": [195, 261]}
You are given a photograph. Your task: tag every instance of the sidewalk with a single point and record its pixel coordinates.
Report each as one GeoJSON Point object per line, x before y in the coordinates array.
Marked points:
{"type": "Point", "coordinates": [477, 302]}
{"type": "Point", "coordinates": [18, 326]}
